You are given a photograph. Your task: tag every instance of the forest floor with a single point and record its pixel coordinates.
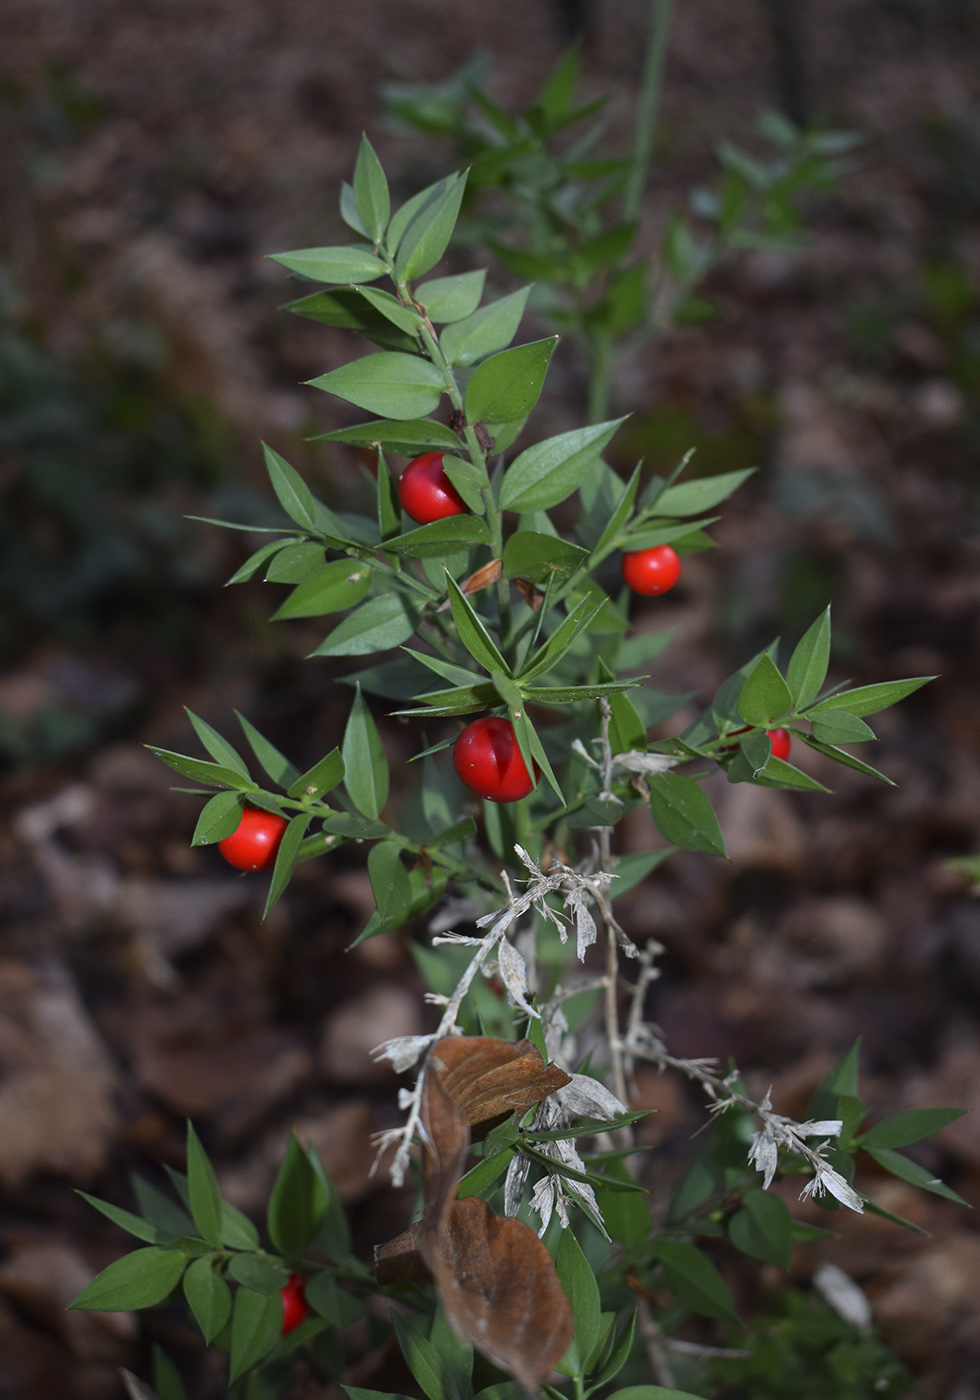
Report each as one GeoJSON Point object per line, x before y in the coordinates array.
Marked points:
{"type": "Point", "coordinates": [154, 154]}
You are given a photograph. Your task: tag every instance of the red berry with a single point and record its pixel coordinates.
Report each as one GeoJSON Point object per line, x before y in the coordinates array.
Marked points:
{"type": "Point", "coordinates": [255, 842]}
{"type": "Point", "coordinates": [650, 571]}
{"type": "Point", "coordinates": [781, 742]}
{"type": "Point", "coordinates": [294, 1309]}
{"type": "Point", "coordinates": [425, 491]}
{"type": "Point", "coordinates": [488, 760]}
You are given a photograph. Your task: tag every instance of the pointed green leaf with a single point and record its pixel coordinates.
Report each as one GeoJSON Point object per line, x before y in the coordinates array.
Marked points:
{"type": "Point", "coordinates": [456, 675]}
{"type": "Point", "coordinates": [451, 298]}
{"type": "Point", "coordinates": [322, 778]}
{"type": "Point", "coordinates": [486, 331]}
{"type": "Point", "coordinates": [765, 695]}
{"type": "Point", "coordinates": [807, 669]}
{"type": "Point", "coordinates": [371, 193]}
{"type": "Point", "coordinates": [422, 1358]}
{"type": "Point", "coordinates": [377, 625]}
{"type": "Point", "coordinates": [389, 881]}
{"type": "Point", "coordinates": [219, 749]}
{"type": "Point", "coordinates": [847, 759]}
{"type": "Point", "coordinates": [167, 1379]}
{"type": "Point", "coordinates": [649, 536]}
{"type": "Point", "coordinates": [202, 1185]}
{"type": "Point", "coordinates": [704, 494]}
{"type": "Point", "coordinates": [551, 652]}
{"type": "Point", "coordinates": [840, 727]}
{"type": "Point", "coordinates": [869, 699]}
{"type": "Point", "coordinates": [365, 762]}
{"type": "Point", "coordinates": [683, 814]}
{"type": "Point", "coordinates": [278, 767]}
{"type": "Point", "coordinates": [297, 563]}
{"type": "Point", "coordinates": [125, 1219]}
{"type": "Point", "coordinates": [348, 210]}
{"type": "Point", "coordinates": [259, 1272]}
{"type": "Point", "coordinates": [506, 387]}
{"type": "Point", "coordinates": [538, 557]}
{"type": "Point", "coordinates": [219, 817]}
{"type": "Point", "coordinates": [651, 1392]}
{"type": "Point", "coordinates": [907, 1170]}
{"type": "Point", "coordinates": [763, 1228]}
{"type": "Point", "coordinates": [256, 1325]}
{"type": "Point", "coordinates": [405, 438]}
{"type": "Point", "coordinates": [578, 1282]}
{"type": "Point", "coordinates": [209, 1297]}
{"type": "Point", "coordinates": [254, 564]}
{"type": "Point", "coordinates": [441, 538]}
{"type": "Point", "coordinates": [695, 1280]}
{"type": "Point", "coordinates": [902, 1129]}
{"type": "Point", "coordinates": [137, 1280]}
{"type": "Point", "coordinates": [160, 1210]}
{"type": "Point", "coordinates": [390, 383]}
{"type": "Point", "coordinates": [620, 515]}
{"type": "Point", "coordinates": [237, 1231]}
{"type": "Point", "coordinates": [547, 473]}
{"type": "Point", "coordinates": [626, 729]}
{"type": "Point", "coordinates": [427, 236]}
{"type": "Point", "coordinates": [346, 308]}
{"type": "Point", "coordinates": [472, 632]}
{"type": "Point", "coordinates": [406, 318]}
{"type": "Point", "coordinates": [293, 494]}
{"type": "Point", "coordinates": [298, 1201]}
{"type": "Point", "coordinates": [338, 585]}
{"type": "Point", "coordinates": [470, 480]}
{"type": "Point", "coordinates": [213, 773]}
{"type": "Point", "coordinates": [286, 858]}
{"type": "Point", "coordinates": [343, 264]}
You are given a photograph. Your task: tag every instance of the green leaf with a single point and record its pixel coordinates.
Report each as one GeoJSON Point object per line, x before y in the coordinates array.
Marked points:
{"type": "Point", "coordinates": [869, 699]}
{"type": "Point", "coordinates": [847, 759]}
{"type": "Point", "coordinates": [547, 473]}
{"type": "Point", "coordinates": [298, 1202]}
{"type": "Point", "coordinates": [166, 1378]}
{"type": "Point", "coordinates": [807, 669]}
{"type": "Point", "coordinates": [137, 1280]}
{"type": "Point", "coordinates": [763, 1228]}
{"type": "Point", "coordinates": [406, 318]}
{"type": "Point", "coordinates": [619, 1354]}
{"type": "Point", "coordinates": [237, 1231]}
{"type": "Point", "coordinates": [456, 675]}
{"type": "Point", "coordinates": [256, 1325]}
{"type": "Point", "coordinates": [371, 193]}
{"type": "Point", "coordinates": [451, 298]}
{"type": "Point", "coordinates": [652, 1392]}
{"type": "Point", "coordinates": [296, 563]}
{"type": "Point", "coordinates": [348, 210]}
{"type": "Point", "coordinates": [626, 729]}
{"type": "Point", "coordinates": [326, 1297]}
{"type": "Point", "coordinates": [365, 762]}
{"type": "Point", "coordinates": [220, 816]}
{"type": "Point", "coordinates": [377, 625]}
{"type": "Point", "coordinates": [322, 778]}
{"type": "Point", "coordinates": [704, 494]}
{"type": "Point", "coordinates": [391, 383]}
{"type": "Point", "coordinates": [683, 814]}
{"type": "Point", "coordinates": [641, 536]}
{"type": "Point", "coordinates": [160, 1210]}
{"type": "Point", "coordinates": [551, 652]}
{"type": "Point", "coordinates": [572, 694]}
{"type": "Point", "coordinates": [621, 513]}
{"type": "Point", "coordinates": [346, 308]}
{"type": "Point", "coordinates": [530, 555]}
{"type": "Point", "coordinates": [278, 767]}
{"type": "Point", "coordinates": [506, 387]}
{"type": "Point", "coordinates": [840, 727]}
{"type": "Point", "coordinates": [209, 1297]}
{"type": "Point", "coordinates": [632, 869]}
{"type": "Point", "coordinates": [777, 770]}
{"type": "Point", "coordinates": [389, 881]}
{"type": "Point", "coordinates": [765, 695]}
{"type": "Point", "coordinates": [422, 1358]}
{"type": "Point", "coordinates": [338, 586]}
{"type": "Point", "coordinates": [911, 1172]}
{"type": "Point", "coordinates": [342, 264]}
{"type": "Point", "coordinates": [405, 438]}
{"type": "Point", "coordinates": [286, 858]}
{"type": "Point", "coordinates": [259, 1272]}
{"type": "Point", "coordinates": [695, 1280]}
{"type": "Point", "coordinates": [441, 538]}
{"type": "Point", "coordinates": [253, 564]}
{"type": "Point", "coordinates": [484, 332]}
{"type": "Point", "coordinates": [427, 235]}
{"type": "Point", "coordinates": [291, 490]}
{"type": "Point", "coordinates": [841, 1080]}
{"type": "Point", "coordinates": [470, 480]}
{"type": "Point", "coordinates": [578, 1281]}
{"type": "Point", "coordinates": [901, 1129]}
{"type": "Point", "coordinates": [485, 1173]}
{"type": "Point", "coordinates": [219, 748]}
{"type": "Point", "coordinates": [202, 1186]}
{"type": "Point", "coordinates": [213, 773]}
{"type": "Point", "coordinates": [472, 632]}
{"type": "Point", "coordinates": [125, 1219]}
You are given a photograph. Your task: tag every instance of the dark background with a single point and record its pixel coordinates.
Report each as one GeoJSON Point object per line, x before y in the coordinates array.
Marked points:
{"type": "Point", "coordinates": [151, 156]}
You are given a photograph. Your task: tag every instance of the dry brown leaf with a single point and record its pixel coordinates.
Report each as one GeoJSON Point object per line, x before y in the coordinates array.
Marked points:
{"type": "Point", "coordinates": [482, 578]}
{"type": "Point", "coordinates": [487, 1077]}
{"type": "Point", "coordinates": [530, 594]}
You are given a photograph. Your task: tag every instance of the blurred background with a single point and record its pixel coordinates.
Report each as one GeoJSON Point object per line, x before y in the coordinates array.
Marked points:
{"type": "Point", "coordinates": [152, 156]}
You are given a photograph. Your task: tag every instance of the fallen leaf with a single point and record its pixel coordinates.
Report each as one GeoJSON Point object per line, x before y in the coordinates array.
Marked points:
{"type": "Point", "coordinates": [487, 1077]}
{"type": "Point", "coordinates": [482, 578]}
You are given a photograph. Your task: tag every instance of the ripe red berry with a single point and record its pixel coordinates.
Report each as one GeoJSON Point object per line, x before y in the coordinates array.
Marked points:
{"type": "Point", "coordinates": [255, 842]}
{"type": "Point", "coordinates": [650, 571]}
{"type": "Point", "coordinates": [294, 1308]}
{"type": "Point", "coordinates": [425, 491]}
{"type": "Point", "coordinates": [488, 760]}
{"type": "Point", "coordinates": [781, 742]}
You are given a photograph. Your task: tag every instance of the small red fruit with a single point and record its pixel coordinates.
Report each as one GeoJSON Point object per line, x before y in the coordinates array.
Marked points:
{"type": "Point", "coordinates": [650, 571]}
{"type": "Point", "coordinates": [488, 760]}
{"type": "Point", "coordinates": [425, 491]}
{"type": "Point", "coordinates": [781, 742]}
{"type": "Point", "coordinates": [255, 842]}
{"type": "Point", "coordinates": [294, 1308]}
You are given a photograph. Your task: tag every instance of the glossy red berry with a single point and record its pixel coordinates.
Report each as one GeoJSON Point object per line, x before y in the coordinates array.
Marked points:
{"type": "Point", "coordinates": [650, 571]}
{"type": "Point", "coordinates": [425, 491]}
{"type": "Point", "coordinates": [294, 1308]}
{"type": "Point", "coordinates": [255, 842]}
{"type": "Point", "coordinates": [488, 760]}
{"type": "Point", "coordinates": [781, 742]}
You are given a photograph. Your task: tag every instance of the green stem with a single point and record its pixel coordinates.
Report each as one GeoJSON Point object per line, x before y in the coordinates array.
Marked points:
{"type": "Point", "coordinates": [646, 112]}
{"type": "Point", "coordinates": [601, 345]}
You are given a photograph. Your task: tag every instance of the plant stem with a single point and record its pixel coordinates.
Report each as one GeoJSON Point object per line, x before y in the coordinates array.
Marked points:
{"type": "Point", "coordinates": [601, 344]}
{"type": "Point", "coordinates": [646, 112]}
